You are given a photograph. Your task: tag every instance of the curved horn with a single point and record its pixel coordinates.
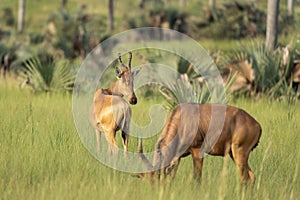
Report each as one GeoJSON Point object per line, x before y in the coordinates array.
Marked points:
{"type": "Point", "coordinates": [129, 59]}
{"type": "Point", "coordinates": [158, 152]}
{"type": "Point", "coordinates": [143, 157]}
{"type": "Point", "coordinates": [120, 61]}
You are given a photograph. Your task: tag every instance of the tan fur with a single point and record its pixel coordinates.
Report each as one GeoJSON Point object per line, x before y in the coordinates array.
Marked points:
{"type": "Point", "coordinates": [110, 112]}
{"type": "Point", "coordinates": [239, 135]}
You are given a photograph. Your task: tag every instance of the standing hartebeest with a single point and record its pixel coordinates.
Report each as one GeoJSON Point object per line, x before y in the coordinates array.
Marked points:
{"type": "Point", "coordinates": [186, 133]}
{"type": "Point", "coordinates": [110, 112]}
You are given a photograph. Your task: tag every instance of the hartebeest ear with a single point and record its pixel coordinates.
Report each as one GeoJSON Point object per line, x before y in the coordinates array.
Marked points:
{"type": "Point", "coordinates": [135, 72]}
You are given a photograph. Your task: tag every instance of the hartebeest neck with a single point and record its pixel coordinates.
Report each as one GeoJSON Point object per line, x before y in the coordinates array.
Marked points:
{"type": "Point", "coordinates": [112, 90]}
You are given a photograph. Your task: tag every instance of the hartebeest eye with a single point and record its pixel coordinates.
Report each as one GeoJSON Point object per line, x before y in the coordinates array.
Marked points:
{"type": "Point", "coordinates": [119, 73]}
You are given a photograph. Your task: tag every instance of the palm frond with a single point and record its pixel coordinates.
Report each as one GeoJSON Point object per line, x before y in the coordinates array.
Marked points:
{"type": "Point", "coordinates": [184, 90]}
{"type": "Point", "coordinates": [48, 75]}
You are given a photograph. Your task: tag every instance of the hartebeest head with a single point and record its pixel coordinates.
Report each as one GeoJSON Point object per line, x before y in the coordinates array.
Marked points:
{"type": "Point", "coordinates": [124, 85]}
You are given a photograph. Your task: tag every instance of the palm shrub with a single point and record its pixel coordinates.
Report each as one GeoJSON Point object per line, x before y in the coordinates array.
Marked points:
{"type": "Point", "coordinates": [271, 75]}
{"type": "Point", "coordinates": [266, 65]}
{"type": "Point", "coordinates": [184, 90]}
{"type": "Point", "coordinates": [48, 75]}
{"type": "Point", "coordinates": [192, 87]}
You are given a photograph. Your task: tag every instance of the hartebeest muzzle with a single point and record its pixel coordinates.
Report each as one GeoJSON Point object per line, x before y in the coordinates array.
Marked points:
{"type": "Point", "coordinates": [133, 100]}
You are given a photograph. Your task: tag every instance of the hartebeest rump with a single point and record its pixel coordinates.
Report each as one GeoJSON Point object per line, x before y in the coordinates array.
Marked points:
{"type": "Point", "coordinates": [110, 112]}
{"type": "Point", "coordinates": [185, 133]}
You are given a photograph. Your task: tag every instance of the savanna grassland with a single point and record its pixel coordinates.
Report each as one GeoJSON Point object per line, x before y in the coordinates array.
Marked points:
{"type": "Point", "coordinates": [42, 156]}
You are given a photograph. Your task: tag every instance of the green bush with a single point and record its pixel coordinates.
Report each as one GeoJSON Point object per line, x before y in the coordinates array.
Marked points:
{"type": "Point", "coordinates": [233, 20]}
{"type": "Point", "coordinates": [8, 17]}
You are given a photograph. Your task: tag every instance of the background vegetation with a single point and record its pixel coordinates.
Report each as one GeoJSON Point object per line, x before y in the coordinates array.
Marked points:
{"type": "Point", "coordinates": [68, 32]}
{"type": "Point", "coordinates": [41, 154]}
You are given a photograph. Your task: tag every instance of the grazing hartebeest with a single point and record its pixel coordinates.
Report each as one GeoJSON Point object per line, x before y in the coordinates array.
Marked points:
{"type": "Point", "coordinates": [186, 132]}
{"type": "Point", "coordinates": [110, 112]}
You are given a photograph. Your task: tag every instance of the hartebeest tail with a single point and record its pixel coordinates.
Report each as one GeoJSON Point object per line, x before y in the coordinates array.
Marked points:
{"type": "Point", "coordinates": [196, 129]}
{"type": "Point", "coordinates": [110, 112]}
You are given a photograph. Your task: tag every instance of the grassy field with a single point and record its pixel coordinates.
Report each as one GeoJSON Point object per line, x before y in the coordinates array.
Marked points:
{"type": "Point", "coordinates": [42, 156]}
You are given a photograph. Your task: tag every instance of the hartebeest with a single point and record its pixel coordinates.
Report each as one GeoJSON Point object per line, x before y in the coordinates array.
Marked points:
{"type": "Point", "coordinates": [110, 112]}
{"type": "Point", "coordinates": [186, 132]}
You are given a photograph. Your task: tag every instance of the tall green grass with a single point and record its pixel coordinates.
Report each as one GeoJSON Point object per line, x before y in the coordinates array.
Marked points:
{"type": "Point", "coordinates": [41, 156]}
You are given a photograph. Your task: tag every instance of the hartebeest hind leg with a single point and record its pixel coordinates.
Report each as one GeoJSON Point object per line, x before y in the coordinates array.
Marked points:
{"type": "Point", "coordinates": [112, 144]}
{"type": "Point", "coordinates": [251, 174]}
{"type": "Point", "coordinates": [240, 157]}
{"type": "Point", "coordinates": [125, 138]}
{"type": "Point", "coordinates": [198, 163]}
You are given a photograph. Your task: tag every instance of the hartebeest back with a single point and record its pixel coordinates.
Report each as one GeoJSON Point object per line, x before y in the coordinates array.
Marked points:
{"type": "Point", "coordinates": [186, 133]}
{"type": "Point", "coordinates": [110, 112]}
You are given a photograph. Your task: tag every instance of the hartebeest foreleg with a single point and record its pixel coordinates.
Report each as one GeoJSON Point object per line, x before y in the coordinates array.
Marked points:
{"type": "Point", "coordinates": [98, 138]}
